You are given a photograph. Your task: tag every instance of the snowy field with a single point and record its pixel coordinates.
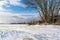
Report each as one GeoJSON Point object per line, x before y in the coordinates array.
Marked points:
{"type": "Point", "coordinates": [29, 32]}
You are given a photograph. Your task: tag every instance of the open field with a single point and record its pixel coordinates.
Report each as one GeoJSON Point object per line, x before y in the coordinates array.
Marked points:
{"type": "Point", "coordinates": [29, 32]}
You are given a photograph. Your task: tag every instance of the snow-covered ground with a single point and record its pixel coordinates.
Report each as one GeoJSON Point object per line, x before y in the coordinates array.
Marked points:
{"type": "Point", "coordinates": [29, 32]}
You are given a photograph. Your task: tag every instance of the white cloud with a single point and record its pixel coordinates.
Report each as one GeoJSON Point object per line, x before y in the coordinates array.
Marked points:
{"type": "Point", "coordinates": [7, 3]}
{"type": "Point", "coordinates": [8, 17]}
{"type": "Point", "coordinates": [17, 3]}
{"type": "Point", "coordinates": [12, 2]}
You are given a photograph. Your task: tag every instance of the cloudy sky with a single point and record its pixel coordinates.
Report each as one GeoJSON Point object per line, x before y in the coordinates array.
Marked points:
{"type": "Point", "coordinates": [14, 11]}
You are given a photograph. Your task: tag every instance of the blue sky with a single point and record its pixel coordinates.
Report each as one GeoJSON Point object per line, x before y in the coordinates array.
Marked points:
{"type": "Point", "coordinates": [14, 11]}
{"type": "Point", "coordinates": [15, 6]}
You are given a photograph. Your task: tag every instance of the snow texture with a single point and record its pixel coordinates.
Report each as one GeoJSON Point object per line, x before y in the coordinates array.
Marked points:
{"type": "Point", "coordinates": [32, 32]}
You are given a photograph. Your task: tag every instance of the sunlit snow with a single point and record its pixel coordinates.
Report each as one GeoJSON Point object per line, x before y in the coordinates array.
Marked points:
{"type": "Point", "coordinates": [32, 32]}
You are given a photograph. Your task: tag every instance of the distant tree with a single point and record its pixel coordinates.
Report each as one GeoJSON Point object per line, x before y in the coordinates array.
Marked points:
{"type": "Point", "coordinates": [46, 8]}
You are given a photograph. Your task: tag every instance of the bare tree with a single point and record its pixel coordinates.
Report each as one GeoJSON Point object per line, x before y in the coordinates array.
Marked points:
{"type": "Point", "coordinates": [47, 8]}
